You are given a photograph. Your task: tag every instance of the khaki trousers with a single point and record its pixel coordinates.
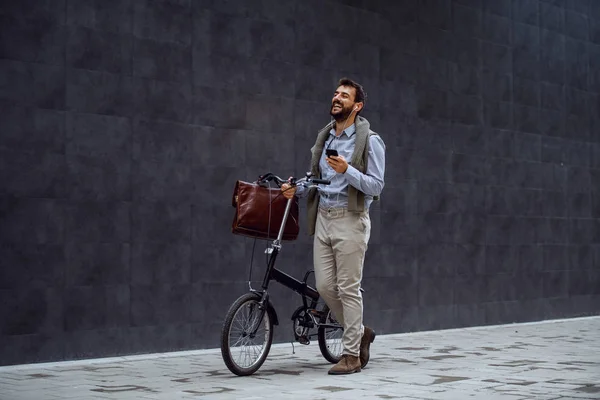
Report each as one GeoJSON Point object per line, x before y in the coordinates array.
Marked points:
{"type": "Point", "coordinates": [340, 243]}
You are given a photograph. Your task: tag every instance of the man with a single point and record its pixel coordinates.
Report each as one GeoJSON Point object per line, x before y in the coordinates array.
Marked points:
{"type": "Point", "coordinates": [338, 216]}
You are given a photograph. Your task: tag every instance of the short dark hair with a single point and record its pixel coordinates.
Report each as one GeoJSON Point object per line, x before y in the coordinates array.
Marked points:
{"type": "Point", "coordinates": [360, 96]}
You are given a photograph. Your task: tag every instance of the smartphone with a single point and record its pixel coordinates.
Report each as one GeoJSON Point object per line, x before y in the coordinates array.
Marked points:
{"type": "Point", "coordinates": [331, 152]}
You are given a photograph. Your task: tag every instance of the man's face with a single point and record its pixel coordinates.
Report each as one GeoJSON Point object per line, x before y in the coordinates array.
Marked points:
{"type": "Point", "coordinates": [342, 103]}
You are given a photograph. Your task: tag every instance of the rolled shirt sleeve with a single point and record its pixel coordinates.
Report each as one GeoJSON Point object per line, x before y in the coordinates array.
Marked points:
{"type": "Point", "coordinates": [370, 183]}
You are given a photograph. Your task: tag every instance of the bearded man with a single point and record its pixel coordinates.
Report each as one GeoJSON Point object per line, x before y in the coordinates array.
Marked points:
{"type": "Point", "coordinates": [349, 154]}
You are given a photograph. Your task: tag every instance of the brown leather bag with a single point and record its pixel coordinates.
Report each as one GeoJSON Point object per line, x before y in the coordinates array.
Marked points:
{"type": "Point", "coordinates": [259, 211]}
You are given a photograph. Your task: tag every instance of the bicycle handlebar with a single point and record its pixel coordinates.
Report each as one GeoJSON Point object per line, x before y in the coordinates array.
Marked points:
{"type": "Point", "coordinates": [293, 181]}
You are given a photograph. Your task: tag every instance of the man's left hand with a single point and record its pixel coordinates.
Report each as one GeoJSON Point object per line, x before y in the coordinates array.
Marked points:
{"type": "Point", "coordinates": [338, 163]}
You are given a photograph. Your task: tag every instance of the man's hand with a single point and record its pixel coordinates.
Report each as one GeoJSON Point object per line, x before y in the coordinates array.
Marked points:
{"type": "Point", "coordinates": [338, 163]}
{"type": "Point", "coordinates": [287, 192]}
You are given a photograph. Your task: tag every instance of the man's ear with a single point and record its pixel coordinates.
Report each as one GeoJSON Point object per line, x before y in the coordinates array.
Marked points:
{"type": "Point", "coordinates": [358, 106]}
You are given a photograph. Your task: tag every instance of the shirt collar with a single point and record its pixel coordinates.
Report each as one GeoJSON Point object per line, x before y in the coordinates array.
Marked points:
{"type": "Point", "coordinates": [349, 131]}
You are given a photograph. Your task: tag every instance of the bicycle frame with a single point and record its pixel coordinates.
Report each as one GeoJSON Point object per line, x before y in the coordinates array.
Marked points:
{"type": "Point", "coordinates": [272, 273]}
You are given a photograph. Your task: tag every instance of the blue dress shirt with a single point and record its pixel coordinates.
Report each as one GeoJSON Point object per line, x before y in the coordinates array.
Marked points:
{"type": "Point", "coordinates": [370, 183]}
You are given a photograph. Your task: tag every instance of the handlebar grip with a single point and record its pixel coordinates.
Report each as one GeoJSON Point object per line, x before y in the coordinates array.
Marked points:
{"type": "Point", "coordinates": [321, 182]}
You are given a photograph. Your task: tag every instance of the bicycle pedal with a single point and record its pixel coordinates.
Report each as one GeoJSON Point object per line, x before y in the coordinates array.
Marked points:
{"type": "Point", "coordinates": [317, 313]}
{"type": "Point", "coordinates": [303, 340]}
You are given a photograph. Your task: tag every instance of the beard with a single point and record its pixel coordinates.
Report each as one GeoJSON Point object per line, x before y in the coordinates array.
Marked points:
{"type": "Point", "coordinates": [340, 114]}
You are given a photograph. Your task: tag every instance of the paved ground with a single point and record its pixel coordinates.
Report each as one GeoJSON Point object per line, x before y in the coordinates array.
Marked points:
{"type": "Point", "coordinates": [548, 360]}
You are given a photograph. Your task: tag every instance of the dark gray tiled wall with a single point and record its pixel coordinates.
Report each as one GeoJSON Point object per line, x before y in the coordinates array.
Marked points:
{"type": "Point", "coordinates": [126, 123]}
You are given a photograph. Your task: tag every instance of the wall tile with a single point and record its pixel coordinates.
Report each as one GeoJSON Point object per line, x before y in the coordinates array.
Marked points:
{"type": "Point", "coordinates": [96, 343]}
{"type": "Point", "coordinates": [526, 63]}
{"type": "Point", "coordinates": [496, 29]}
{"type": "Point", "coordinates": [433, 105]}
{"type": "Point", "coordinates": [32, 310]}
{"type": "Point", "coordinates": [577, 25]}
{"type": "Point", "coordinates": [552, 123]}
{"type": "Point", "coordinates": [99, 51]}
{"type": "Point", "coordinates": [32, 41]}
{"type": "Point", "coordinates": [437, 317]}
{"type": "Point", "coordinates": [594, 74]}
{"type": "Point", "coordinates": [106, 15]}
{"type": "Point", "coordinates": [27, 265]}
{"type": "Point", "coordinates": [526, 11]}
{"type": "Point", "coordinates": [98, 157]}
{"type": "Point", "coordinates": [36, 85]}
{"type": "Point", "coordinates": [576, 63]}
{"type": "Point", "coordinates": [468, 289]}
{"type": "Point", "coordinates": [99, 93]}
{"type": "Point", "coordinates": [269, 77]}
{"type": "Point", "coordinates": [167, 101]}
{"type": "Point", "coordinates": [32, 221]}
{"type": "Point", "coordinates": [496, 57]}
{"type": "Point", "coordinates": [498, 115]}
{"type": "Point", "coordinates": [97, 264]}
{"type": "Point", "coordinates": [500, 259]}
{"type": "Point", "coordinates": [552, 96]}
{"type": "Point", "coordinates": [160, 263]}
{"type": "Point", "coordinates": [465, 80]}
{"type": "Point", "coordinates": [213, 107]}
{"type": "Point", "coordinates": [209, 301]}
{"type": "Point", "coordinates": [32, 130]}
{"type": "Point", "coordinates": [437, 13]}
{"type": "Point", "coordinates": [162, 155]}
{"type": "Point", "coordinates": [160, 304]}
{"type": "Point", "coordinates": [85, 308]}
{"type": "Point", "coordinates": [216, 33]}
{"type": "Point", "coordinates": [502, 7]}
{"type": "Point", "coordinates": [466, 109]}
{"type": "Point", "coordinates": [436, 260]}
{"type": "Point", "coordinates": [219, 71]}
{"type": "Point", "coordinates": [526, 119]}
{"type": "Point", "coordinates": [32, 175]}
{"type": "Point", "coordinates": [268, 114]}
{"type": "Point", "coordinates": [161, 221]}
{"type": "Point", "coordinates": [164, 21]}
{"type": "Point", "coordinates": [496, 86]}
{"type": "Point", "coordinates": [162, 61]}
{"type": "Point", "coordinates": [469, 314]}
{"type": "Point", "coordinates": [32, 348]}
{"type": "Point", "coordinates": [466, 20]}
{"type": "Point", "coordinates": [98, 221]}
{"type": "Point", "coordinates": [274, 41]}
{"type": "Point", "coordinates": [526, 92]}
{"type": "Point", "coordinates": [167, 337]}
{"type": "Point", "coordinates": [555, 257]}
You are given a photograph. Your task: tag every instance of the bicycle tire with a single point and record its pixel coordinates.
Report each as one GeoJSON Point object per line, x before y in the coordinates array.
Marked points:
{"type": "Point", "coordinates": [332, 350]}
{"type": "Point", "coordinates": [244, 304]}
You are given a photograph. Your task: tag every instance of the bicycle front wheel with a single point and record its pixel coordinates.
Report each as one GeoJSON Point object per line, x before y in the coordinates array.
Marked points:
{"type": "Point", "coordinates": [246, 340]}
{"type": "Point", "coordinates": [330, 337]}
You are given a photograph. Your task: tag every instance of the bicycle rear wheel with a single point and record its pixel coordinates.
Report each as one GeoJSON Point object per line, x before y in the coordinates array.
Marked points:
{"type": "Point", "coordinates": [244, 351]}
{"type": "Point", "coordinates": [330, 338]}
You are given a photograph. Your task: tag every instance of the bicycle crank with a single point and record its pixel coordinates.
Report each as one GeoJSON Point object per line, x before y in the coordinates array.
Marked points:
{"type": "Point", "coordinates": [302, 323]}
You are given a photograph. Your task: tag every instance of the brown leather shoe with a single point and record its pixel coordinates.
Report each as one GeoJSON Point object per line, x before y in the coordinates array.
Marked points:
{"type": "Point", "coordinates": [347, 365]}
{"type": "Point", "coordinates": [365, 344]}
